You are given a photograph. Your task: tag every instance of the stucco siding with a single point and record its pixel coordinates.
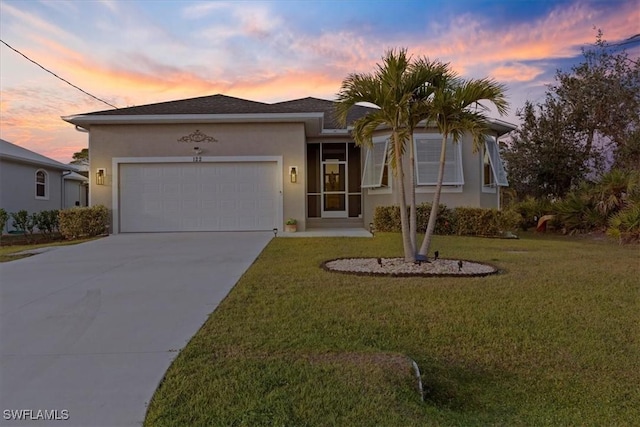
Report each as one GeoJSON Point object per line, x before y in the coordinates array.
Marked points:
{"type": "Point", "coordinates": [17, 188]}
{"type": "Point", "coordinates": [232, 140]}
{"type": "Point", "coordinates": [74, 192]}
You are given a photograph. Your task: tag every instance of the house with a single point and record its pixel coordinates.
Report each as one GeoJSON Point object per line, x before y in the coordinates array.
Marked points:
{"type": "Point", "coordinates": [217, 163]}
{"type": "Point", "coordinates": [32, 182]}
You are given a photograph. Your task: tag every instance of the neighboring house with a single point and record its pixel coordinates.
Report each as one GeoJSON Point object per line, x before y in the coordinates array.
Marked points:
{"type": "Point", "coordinates": [35, 183]}
{"type": "Point", "coordinates": [218, 163]}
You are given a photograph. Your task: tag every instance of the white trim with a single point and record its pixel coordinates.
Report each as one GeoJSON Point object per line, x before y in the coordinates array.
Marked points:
{"type": "Point", "coordinates": [117, 161]}
{"type": "Point", "coordinates": [445, 189]}
{"type": "Point", "coordinates": [188, 118]}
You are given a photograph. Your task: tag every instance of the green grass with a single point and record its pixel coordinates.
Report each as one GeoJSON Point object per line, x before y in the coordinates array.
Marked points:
{"type": "Point", "coordinates": [554, 340]}
{"type": "Point", "coordinates": [12, 253]}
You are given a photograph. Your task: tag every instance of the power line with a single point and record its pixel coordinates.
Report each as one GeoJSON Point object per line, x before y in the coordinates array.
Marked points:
{"type": "Point", "coordinates": [55, 75]}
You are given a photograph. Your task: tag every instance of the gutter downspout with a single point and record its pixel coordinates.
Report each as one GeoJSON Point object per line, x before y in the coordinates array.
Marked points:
{"type": "Point", "coordinates": [63, 196]}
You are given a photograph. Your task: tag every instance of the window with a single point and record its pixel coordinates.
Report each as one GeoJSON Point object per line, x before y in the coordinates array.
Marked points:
{"type": "Point", "coordinates": [376, 169]}
{"type": "Point", "coordinates": [493, 169]}
{"type": "Point", "coordinates": [428, 161]}
{"type": "Point", "coordinates": [42, 185]}
{"type": "Point", "coordinates": [487, 174]}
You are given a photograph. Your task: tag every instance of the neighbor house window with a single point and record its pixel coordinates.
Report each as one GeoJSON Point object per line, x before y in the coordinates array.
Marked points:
{"type": "Point", "coordinates": [493, 170]}
{"type": "Point", "coordinates": [427, 154]}
{"type": "Point", "coordinates": [376, 168]}
{"type": "Point", "coordinates": [42, 184]}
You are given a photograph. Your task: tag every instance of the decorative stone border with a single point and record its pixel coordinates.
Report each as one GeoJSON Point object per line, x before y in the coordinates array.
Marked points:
{"type": "Point", "coordinates": [397, 267]}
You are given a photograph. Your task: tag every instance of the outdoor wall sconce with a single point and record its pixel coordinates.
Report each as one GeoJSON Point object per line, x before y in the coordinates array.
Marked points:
{"type": "Point", "coordinates": [197, 151]}
{"type": "Point", "coordinates": [293, 174]}
{"type": "Point", "coordinates": [100, 174]}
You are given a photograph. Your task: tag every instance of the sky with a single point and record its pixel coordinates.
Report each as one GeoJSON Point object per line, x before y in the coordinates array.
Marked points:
{"type": "Point", "coordinates": [139, 52]}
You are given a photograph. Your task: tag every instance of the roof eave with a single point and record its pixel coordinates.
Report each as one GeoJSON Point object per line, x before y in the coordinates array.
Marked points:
{"type": "Point", "coordinates": [501, 127]}
{"type": "Point", "coordinates": [313, 122]}
{"type": "Point", "coordinates": [61, 166]}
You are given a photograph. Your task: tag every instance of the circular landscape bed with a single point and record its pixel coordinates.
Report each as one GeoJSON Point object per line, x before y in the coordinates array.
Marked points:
{"type": "Point", "coordinates": [397, 267]}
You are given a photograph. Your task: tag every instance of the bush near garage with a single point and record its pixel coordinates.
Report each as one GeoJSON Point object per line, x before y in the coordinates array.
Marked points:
{"type": "Point", "coordinates": [83, 222]}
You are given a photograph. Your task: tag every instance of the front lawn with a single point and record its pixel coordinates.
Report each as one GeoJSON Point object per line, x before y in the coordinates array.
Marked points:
{"type": "Point", "coordinates": [554, 340]}
{"type": "Point", "coordinates": [13, 247]}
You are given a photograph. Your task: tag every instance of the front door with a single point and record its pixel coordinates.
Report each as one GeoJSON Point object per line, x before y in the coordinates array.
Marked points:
{"type": "Point", "coordinates": [334, 189]}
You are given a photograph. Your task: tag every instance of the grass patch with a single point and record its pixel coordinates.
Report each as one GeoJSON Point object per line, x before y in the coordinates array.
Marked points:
{"type": "Point", "coordinates": [12, 250]}
{"type": "Point", "coordinates": [552, 341]}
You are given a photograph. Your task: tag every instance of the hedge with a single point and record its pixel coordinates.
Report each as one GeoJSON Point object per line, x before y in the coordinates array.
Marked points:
{"type": "Point", "coordinates": [461, 221]}
{"type": "Point", "coordinates": [83, 222]}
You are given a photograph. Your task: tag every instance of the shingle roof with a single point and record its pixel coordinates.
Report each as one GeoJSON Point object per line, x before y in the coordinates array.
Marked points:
{"type": "Point", "coordinates": [223, 104]}
{"type": "Point", "coordinates": [15, 152]}
{"type": "Point", "coordinates": [328, 108]}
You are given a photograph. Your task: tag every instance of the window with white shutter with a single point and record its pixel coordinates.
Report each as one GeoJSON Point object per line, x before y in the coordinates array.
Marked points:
{"type": "Point", "coordinates": [427, 155]}
{"type": "Point", "coordinates": [492, 154]}
{"type": "Point", "coordinates": [375, 165]}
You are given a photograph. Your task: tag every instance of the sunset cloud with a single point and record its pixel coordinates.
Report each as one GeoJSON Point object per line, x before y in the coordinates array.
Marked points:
{"type": "Point", "coordinates": [131, 54]}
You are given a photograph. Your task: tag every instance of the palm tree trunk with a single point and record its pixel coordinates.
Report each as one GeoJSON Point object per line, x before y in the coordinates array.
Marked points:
{"type": "Point", "coordinates": [426, 243]}
{"type": "Point", "coordinates": [413, 226]}
{"type": "Point", "coordinates": [409, 253]}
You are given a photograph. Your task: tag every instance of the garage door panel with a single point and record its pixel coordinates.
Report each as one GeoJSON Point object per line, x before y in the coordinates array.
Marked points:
{"type": "Point", "coordinates": [198, 196]}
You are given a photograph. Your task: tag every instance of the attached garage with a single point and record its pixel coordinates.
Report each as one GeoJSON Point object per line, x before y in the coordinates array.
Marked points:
{"type": "Point", "coordinates": [201, 196]}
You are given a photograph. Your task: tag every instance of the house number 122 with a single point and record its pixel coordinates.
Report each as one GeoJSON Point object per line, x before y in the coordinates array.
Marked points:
{"type": "Point", "coordinates": [197, 159]}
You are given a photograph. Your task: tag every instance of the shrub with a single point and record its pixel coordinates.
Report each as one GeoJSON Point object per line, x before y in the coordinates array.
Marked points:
{"type": "Point", "coordinates": [47, 222]}
{"type": "Point", "coordinates": [530, 210]}
{"type": "Point", "coordinates": [625, 225]}
{"type": "Point", "coordinates": [387, 219]}
{"type": "Point", "coordinates": [462, 221]}
{"type": "Point", "coordinates": [4, 217]}
{"type": "Point", "coordinates": [484, 222]}
{"type": "Point", "coordinates": [24, 223]}
{"type": "Point", "coordinates": [83, 222]}
{"type": "Point", "coordinates": [578, 212]}
{"type": "Point", "coordinates": [445, 223]}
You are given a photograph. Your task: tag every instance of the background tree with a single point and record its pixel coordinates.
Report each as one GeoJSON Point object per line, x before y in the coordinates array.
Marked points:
{"type": "Point", "coordinates": [588, 123]}
{"type": "Point", "coordinates": [80, 157]}
{"type": "Point", "coordinates": [601, 96]}
{"type": "Point", "coordinates": [546, 157]}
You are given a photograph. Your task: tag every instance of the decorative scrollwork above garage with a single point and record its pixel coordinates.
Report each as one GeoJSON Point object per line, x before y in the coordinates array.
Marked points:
{"type": "Point", "coordinates": [197, 136]}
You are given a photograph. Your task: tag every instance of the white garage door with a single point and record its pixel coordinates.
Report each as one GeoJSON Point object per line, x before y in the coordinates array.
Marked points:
{"type": "Point", "coordinates": [235, 196]}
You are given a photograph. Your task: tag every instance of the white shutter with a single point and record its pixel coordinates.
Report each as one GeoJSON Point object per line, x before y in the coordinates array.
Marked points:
{"type": "Point", "coordinates": [496, 162]}
{"type": "Point", "coordinates": [428, 161]}
{"type": "Point", "coordinates": [374, 164]}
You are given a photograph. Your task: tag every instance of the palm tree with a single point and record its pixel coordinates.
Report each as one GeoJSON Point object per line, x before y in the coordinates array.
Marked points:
{"type": "Point", "coordinates": [392, 89]}
{"type": "Point", "coordinates": [456, 109]}
{"type": "Point", "coordinates": [433, 72]}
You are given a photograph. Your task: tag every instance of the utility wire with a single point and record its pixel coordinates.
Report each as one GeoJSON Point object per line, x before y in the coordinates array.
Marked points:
{"type": "Point", "coordinates": [55, 75]}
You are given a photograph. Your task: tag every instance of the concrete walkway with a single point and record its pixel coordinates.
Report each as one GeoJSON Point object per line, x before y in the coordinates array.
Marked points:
{"type": "Point", "coordinates": [88, 331]}
{"type": "Point", "coordinates": [330, 232]}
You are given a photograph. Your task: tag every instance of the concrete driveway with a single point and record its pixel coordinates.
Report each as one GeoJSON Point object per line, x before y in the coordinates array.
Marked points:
{"type": "Point", "coordinates": [88, 331]}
